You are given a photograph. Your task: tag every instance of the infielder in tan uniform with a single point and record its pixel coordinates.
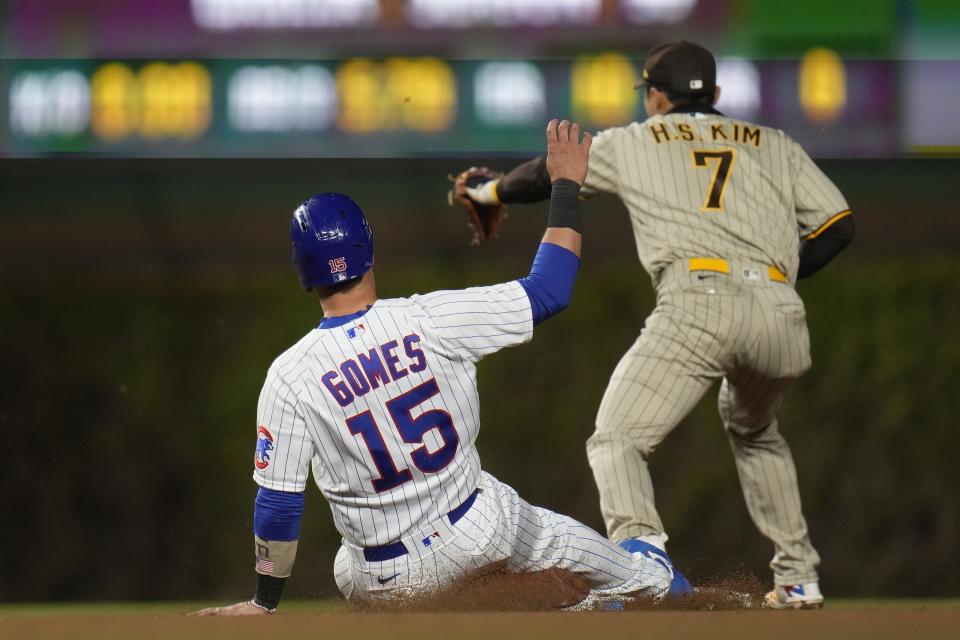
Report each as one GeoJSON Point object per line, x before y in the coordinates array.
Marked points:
{"type": "Point", "coordinates": [727, 215]}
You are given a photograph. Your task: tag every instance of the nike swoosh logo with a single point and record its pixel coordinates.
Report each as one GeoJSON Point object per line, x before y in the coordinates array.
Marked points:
{"type": "Point", "coordinates": [383, 580]}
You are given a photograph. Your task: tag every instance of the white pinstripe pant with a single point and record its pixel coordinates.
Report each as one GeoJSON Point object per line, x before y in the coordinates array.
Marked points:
{"type": "Point", "coordinates": [500, 528]}
{"type": "Point", "coordinates": [753, 334]}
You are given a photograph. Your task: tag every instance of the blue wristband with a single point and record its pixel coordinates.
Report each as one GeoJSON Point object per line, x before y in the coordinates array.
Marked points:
{"type": "Point", "coordinates": [276, 514]}
{"type": "Point", "coordinates": [550, 283]}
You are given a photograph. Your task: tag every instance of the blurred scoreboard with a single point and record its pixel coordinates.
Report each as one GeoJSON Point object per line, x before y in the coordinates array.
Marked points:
{"type": "Point", "coordinates": [409, 106]}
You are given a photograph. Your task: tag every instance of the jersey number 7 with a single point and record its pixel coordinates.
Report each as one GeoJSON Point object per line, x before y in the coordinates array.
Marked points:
{"type": "Point", "coordinates": [721, 173]}
{"type": "Point", "coordinates": [411, 430]}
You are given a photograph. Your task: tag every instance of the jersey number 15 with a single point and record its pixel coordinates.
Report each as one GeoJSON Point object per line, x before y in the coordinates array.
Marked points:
{"type": "Point", "coordinates": [411, 430]}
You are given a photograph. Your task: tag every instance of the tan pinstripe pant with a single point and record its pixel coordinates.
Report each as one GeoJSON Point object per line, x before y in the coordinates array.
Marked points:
{"type": "Point", "coordinates": [745, 329]}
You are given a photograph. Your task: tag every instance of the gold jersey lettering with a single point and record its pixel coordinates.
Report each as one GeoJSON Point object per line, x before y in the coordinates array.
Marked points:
{"type": "Point", "coordinates": [751, 136]}
{"type": "Point", "coordinates": [659, 130]}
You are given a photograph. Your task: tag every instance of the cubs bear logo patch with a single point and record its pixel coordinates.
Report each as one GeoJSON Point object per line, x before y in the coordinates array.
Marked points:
{"type": "Point", "coordinates": [261, 458]}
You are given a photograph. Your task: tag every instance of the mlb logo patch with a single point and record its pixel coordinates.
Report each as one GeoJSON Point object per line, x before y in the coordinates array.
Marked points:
{"type": "Point", "coordinates": [356, 331]}
{"type": "Point", "coordinates": [428, 540]}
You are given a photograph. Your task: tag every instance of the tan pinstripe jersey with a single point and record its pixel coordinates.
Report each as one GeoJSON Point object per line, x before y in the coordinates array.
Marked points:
{"type": "Point", "coordinates": [702, 185]}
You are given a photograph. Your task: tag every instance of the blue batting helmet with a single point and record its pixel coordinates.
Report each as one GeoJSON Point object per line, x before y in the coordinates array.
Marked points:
{"type": "Point", "coordinates": [332, 242]}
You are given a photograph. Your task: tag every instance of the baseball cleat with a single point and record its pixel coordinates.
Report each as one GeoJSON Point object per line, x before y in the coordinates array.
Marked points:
{"type": "Point", "coordinates": [679, 586]}
{"type": "Point", "coordinates": [795, 596]}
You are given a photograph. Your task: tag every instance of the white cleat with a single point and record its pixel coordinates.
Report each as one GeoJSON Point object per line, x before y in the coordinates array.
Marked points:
{"type": "Point", "coordinates": [795, 596]}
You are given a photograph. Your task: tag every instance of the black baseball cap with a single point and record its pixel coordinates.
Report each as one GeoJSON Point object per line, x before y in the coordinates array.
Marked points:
{"type": "Point", "coordinates": [681, 67]}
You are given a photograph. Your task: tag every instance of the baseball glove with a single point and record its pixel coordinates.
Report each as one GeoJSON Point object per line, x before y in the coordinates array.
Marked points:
{"type": "Point", "coordinates": [485, 212]}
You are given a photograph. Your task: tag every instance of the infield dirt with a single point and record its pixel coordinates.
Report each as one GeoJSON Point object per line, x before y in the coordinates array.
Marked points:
{"type": "Point", "coordinates": [867, 624]}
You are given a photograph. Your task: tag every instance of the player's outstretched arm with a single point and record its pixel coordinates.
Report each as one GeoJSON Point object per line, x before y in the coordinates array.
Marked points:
{"type": "Point", "coordinates": [276, 527]}
{"type": "Point", "coordinates": [550, 283]}
{"type": "Point", "coordinates": [528, 182]}
{"type": "Point", "coordinates": [532, 182]}
{"type": "Point", "coordinates": [485, 193]}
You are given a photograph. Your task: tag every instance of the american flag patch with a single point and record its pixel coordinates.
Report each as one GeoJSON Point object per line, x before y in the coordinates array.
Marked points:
{"type": "Point", "coordinates": [356, 331]}
{"type": "Point", "coordinates": [264, 566]}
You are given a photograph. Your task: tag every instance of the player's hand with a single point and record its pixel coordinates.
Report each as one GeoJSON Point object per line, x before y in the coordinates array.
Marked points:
{"type": "Point", "coordinates": [567, 155]}
{"type": "Point", "coordinates": [240, 609]}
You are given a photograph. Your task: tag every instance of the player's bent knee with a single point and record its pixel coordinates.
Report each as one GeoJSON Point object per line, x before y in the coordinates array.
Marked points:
{"type": "Point", "coordinates": [763, 432]}
{"type": "Point", "coordinates": [605, 445]}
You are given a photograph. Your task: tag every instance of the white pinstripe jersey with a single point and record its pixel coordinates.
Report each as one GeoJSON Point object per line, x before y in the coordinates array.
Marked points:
{"type": "Point", "coordinates": [385, 408]}
{"type": "Point", "coordinates": [703, 185]}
